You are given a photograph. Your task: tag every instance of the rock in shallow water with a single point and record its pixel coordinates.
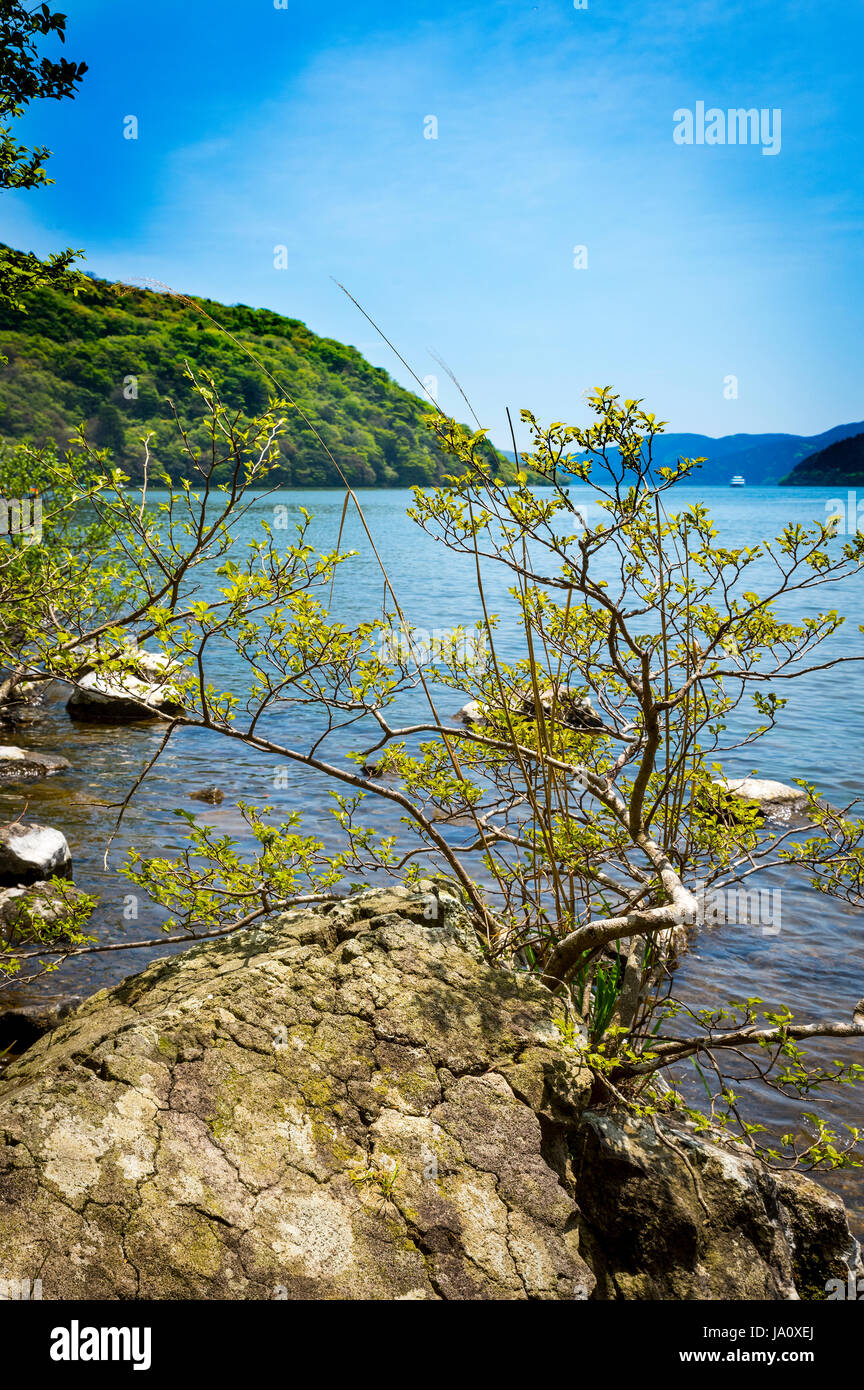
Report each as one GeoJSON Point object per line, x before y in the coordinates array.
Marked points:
{"type": "Point", "coordinates": [340, 1104]}
{"type": "Point", "coordinates": [120, 699]}
{"type": "Point", "coordinates": [29, 852]}
{"type": "Point", "coordinates": [572, 710]}
{"type": "Point", "coordinates": [472, 713]}
{"type": "Point", "coordinates": [763, 791]}
{"type": "Point", "coordinates": [41, 904]}
{"type": "Point", "coordinates": [19, 763]}
{"type": "Point", "coordinates": [142, 690]}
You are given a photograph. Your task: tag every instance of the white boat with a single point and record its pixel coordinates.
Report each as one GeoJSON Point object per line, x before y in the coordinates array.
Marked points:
{"type": "Point", "coordinates": [738, 481]}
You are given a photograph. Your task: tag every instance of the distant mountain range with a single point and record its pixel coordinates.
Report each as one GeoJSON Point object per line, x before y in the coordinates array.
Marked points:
{"type": "Point", "coordinates": [759, 458]}
{"type": "Point", "coordinates": [840, 465]}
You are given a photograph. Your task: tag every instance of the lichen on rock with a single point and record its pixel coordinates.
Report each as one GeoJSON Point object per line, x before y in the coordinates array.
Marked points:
{"type": "Point", "coordinates": [349, 1104]}
{"type": "Point", "coordinates": [345, 1103]}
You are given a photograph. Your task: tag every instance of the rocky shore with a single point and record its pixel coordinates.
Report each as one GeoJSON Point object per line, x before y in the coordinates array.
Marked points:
{"type": "Point", "coordinates": [351, 1103]}
{"type": "Point", "coordinates": [31, 854]}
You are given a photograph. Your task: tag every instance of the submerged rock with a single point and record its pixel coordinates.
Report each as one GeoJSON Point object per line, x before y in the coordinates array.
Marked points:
{"type": "Point", "coordinates": [214, 796]}
{"type": "Point", "coordinates": [350, 1103]}
{"type": "Point", "coordinates": [17, 764]}
{"type": "Point", "coordinates": [30, 852]}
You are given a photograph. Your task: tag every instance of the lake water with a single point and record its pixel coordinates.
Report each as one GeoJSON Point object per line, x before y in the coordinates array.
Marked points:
{"type": "Point", "coordinates": [815, 964]}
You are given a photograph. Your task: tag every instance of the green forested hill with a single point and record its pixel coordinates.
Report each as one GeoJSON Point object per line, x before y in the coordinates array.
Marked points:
{"type": "Point", "coordinates": [68, 358]}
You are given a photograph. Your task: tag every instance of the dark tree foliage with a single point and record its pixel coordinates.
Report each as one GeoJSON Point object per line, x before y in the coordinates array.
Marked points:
{"type": "Point", "coordinates": [26, 76]}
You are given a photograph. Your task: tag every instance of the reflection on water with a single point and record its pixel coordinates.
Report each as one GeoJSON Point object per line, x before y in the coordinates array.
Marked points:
{"type": "Point", "coordinates": [815, 964]}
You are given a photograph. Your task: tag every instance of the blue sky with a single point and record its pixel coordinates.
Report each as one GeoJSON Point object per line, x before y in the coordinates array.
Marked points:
{"type": "Point", "coordinates": [304, 127]}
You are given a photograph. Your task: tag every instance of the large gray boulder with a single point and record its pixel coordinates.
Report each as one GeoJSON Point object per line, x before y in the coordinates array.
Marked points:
{"type": "Point", "coordinates": [345, 1103]}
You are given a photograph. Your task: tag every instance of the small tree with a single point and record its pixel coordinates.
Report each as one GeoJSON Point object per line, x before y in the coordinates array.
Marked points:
{"type": "Point", "coordinates": [590, 770]}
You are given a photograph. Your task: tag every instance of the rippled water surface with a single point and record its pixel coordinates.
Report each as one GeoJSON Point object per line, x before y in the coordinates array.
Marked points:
{"type": "Point", "coordinates": [815, 964]}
